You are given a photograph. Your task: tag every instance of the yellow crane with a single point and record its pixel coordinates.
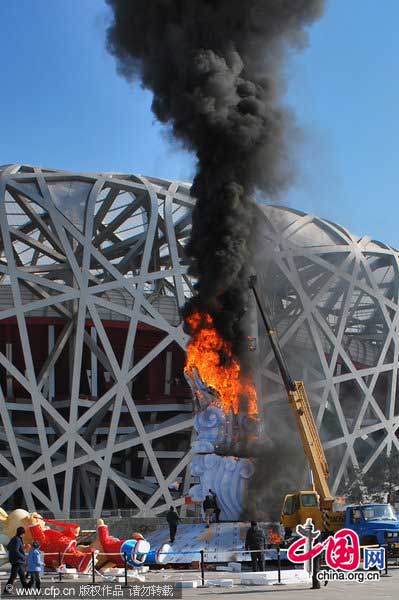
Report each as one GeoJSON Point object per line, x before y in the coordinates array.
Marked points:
{"type": "Point", "coordinates": [316, 503]}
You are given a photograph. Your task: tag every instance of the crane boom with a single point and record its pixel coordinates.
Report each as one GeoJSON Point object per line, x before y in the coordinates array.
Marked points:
{"type": "Point", "coordinates": [299, 403]}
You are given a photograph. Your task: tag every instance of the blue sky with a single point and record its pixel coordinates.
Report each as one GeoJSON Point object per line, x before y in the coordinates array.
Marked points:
{"type": "Point", "coordinates": [64, 106]}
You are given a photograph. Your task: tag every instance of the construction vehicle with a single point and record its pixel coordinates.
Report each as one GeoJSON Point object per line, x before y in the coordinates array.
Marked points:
{"type": "Point", "coordinates": [374, 523]}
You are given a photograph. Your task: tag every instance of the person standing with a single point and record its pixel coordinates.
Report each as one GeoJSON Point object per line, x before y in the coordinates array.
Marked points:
{"type": "Point", "coordinates": [208, 506]}
{"type": "Point", "coordinates": [17, 558]}
{"type": "Point", "coordinates": [256, 542]}
{"type": "Point", "coordinates": [35, 566]}
{"type": "Point", "coordinates": [216, 508]}
{"type": "Point", "coordinates": [172, 518]}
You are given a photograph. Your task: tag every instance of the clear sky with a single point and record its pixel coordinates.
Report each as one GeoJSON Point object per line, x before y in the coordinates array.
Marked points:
{"type": "Point", "coordinates": [64, 106]}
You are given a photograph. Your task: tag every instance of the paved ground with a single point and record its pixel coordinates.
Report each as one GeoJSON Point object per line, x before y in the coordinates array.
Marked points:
{"type": "Point", "coordinates": [386, 588]}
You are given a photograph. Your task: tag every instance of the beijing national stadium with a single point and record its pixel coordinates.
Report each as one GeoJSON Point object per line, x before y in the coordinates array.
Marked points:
{"type": "Point", "coordinates": [95, 412]}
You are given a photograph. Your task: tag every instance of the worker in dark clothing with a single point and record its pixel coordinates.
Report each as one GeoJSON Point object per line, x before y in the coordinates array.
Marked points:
{"type": "Point", "coordinates": [172, 518]}
{"type": "Point", "coordinates": [209, 506]}
{"type": "Point", "coordinates": [17, 558]}
{"type": "Point", "coordinates": [216, 508]}
{"type": "Point", "coordinates": [256, 541]}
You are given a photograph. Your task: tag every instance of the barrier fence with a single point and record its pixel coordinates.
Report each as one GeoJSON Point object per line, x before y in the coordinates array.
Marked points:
{"type": "Point", "coordinates": [222, 556]}
{"type": "Point", "coordinates": [200, 553]}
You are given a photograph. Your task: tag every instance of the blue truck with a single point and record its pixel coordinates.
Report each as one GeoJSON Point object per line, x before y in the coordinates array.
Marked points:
{"type": "Point", "coordinates": [374, 523]}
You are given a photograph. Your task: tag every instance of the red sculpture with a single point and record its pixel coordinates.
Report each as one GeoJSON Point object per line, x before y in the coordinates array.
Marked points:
{"type": "Point", "coordinates": [115, 550]}
{"type": "Point", "coordinates": [59, 546]}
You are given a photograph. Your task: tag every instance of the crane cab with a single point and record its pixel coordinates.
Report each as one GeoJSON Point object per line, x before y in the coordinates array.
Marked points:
{"type": "Point", "coordinates": [298, 507]}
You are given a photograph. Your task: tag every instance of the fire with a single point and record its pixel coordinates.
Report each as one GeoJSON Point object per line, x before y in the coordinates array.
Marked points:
{"type": "Point", "coordinates": [204, 353]}
{"type": "Point", "coordinates": [274, 538]}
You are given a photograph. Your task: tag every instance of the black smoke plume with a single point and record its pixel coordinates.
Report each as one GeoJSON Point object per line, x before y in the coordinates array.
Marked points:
{"type": "Point", "coordinates": [216, 70]}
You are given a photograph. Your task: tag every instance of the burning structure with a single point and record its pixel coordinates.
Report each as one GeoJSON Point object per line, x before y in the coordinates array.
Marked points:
{"type": "Point", "coordinates": [226, 418]}
{"type": "Point", "coordinates": [215, 69]}
{"type": "Point", "coordinates": [218, 463]}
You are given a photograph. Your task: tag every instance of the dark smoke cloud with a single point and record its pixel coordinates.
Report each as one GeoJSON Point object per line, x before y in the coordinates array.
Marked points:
{"type": "Point", "coordinates": [279, 471]}
{"type": "Point", "coordinates": [215, 68]}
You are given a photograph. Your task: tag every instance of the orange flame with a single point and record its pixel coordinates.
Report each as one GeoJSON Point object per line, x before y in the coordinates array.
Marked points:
{"type": "Point", "coordinates": [274, 538]}
{"type": "Point", "coordinates": [204, 352]}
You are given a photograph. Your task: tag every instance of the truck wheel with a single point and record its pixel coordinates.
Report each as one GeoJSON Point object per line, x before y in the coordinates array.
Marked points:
{"type": "Point", "coordinates": [368, 540]}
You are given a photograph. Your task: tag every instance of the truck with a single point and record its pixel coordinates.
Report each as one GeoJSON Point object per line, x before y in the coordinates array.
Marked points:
{"type": "Point", "coordinates": [375, 523]}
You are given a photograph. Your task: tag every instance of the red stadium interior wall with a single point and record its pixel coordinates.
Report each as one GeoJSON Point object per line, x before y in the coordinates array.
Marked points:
{"type": "Point", "coordinates": [147, 387]}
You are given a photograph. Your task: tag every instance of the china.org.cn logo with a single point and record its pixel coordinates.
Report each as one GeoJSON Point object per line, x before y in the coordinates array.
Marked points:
{"type": "Point", "coordinates": [342, 553]}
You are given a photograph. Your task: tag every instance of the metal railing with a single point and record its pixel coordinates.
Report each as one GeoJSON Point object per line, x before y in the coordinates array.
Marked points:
{"type": "Point", "coordinates": [203, 560]}
{"type": "Point", "coordinates": [222, 556]}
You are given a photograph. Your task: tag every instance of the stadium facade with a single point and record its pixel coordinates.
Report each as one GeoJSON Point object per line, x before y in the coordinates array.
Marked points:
{"type": "Point", "coordinates": [95, 412]}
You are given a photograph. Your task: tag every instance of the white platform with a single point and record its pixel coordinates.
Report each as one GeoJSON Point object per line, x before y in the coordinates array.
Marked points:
{"type": "Point", "coordinates": [186, 584]}
{"type": "Point", "coordinates": [222, 542]}
{"type": "Point", "coordinates": [225, 583]}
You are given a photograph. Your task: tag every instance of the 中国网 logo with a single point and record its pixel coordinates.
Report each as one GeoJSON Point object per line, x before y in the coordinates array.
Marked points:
{"type": "Point", "coordinates": [342, 554]}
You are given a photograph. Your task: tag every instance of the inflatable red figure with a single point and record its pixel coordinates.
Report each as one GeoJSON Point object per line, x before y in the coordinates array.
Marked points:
{"type": "Point", "coordinates": [135, 550]}
{"type": "Point", "coordinates": [59, 546]}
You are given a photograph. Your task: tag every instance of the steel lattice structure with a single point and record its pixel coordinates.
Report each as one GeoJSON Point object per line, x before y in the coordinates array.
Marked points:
{"type": "Point", "coordinates": [334, 301]}
{"type": "Point", "coordinates": [83, 254]}
{"type": "Point", "coordinates": [83, 249]}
